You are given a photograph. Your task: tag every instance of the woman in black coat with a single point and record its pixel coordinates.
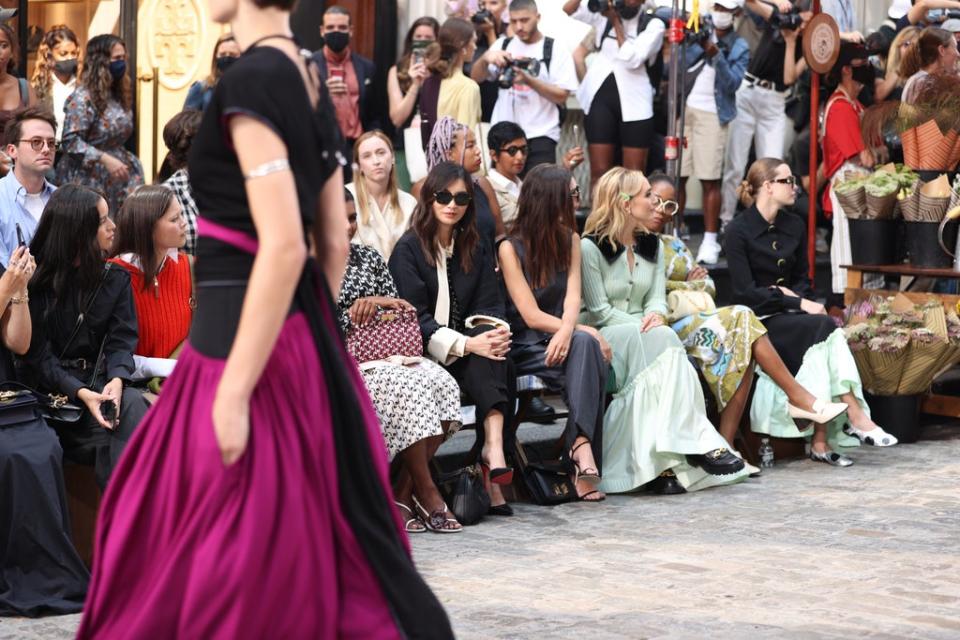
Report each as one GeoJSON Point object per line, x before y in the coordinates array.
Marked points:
{"type": "Point", "coordinates": [444, 270]}
{"type": "Point", "coordinates": [767, 253]}
{"type": "Point", "coordinates": [84, 328]}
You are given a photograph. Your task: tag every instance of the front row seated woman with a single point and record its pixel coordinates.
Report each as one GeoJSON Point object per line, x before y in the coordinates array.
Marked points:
{"type": "Point", "coordinates": [766, 251]}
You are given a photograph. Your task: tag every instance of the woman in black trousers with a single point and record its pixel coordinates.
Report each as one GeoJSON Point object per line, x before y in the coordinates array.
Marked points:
{"type": "Point", "coordinates": [443, 269]}
{"type": "Point", "coordinates": [541, 269]}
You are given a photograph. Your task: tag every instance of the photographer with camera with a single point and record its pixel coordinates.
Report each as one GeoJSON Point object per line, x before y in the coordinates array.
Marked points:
{"type": "Point", "coordinates": [617, 94]}
{"type": "Point", "coordinates": [489, 21]}
{"type": "Point", "coordinates": [535, 75]}
{"type": "Point", "coordinates": [761, 118]}
{"type": "Point", "coordinates": [716, 62]}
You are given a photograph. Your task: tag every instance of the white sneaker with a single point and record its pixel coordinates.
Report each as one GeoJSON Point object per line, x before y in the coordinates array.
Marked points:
{"type": "Point", "coordinates": [709, 252]}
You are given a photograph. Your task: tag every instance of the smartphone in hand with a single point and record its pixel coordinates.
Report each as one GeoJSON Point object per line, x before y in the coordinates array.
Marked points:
{"type": "Point", "coordinates": [20, 241]}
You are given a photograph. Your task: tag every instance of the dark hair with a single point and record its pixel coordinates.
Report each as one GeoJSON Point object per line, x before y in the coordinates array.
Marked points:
{"type": "Point", "coordinates": [178, 135]}
{"type": "Point", "coordinates": [523, 5]}
{"type": "Point", "coordinates": [925, 50]}
{"type": "Point", "coordinates": [657, 177]}
{"type": "Point", "coordinates": [283, 5]}
{"type": "Point", "coordinates": [65, 245]}
{"type": "Point", "coordinates": [403, 64]}
{"type": "Point", "coordinates": [337, 10]}
{"type": "Point", "coordinates": [545, 223]}
{"type": "Point", "coordinates": [95, 75]}
{"type": "Point", "coordinates": [135, 223]}
{"type": "Point", "coordinates": [502, 133]}
{"type": "Point", "coordinates": [43, 68]}
{"type": "Point", "coordinates": [12, 38]}
{"type": "Point", "coordinates": [453, 36]}
{"type": "Point", "coordinates": [14, 127]}
{"type": "Point", "coordinates": [214, 71]}
{"type": "Point", "coordinates": [347, 196]}
{"type": "Point", "coordinates": [424, 222]}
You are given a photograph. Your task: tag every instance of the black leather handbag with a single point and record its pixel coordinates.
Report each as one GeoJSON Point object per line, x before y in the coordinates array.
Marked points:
{"type": "Point", "coordinates": [547, 482]}
{"type": "Point", "coordinates": [464, 494]}
{"type": "Point", "coordinates": [18, 400]}
{"type": "Point", "coordinates": [18, 407]}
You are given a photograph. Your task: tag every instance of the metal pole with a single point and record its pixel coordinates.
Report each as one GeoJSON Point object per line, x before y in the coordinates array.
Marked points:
{"type": "Point", "coordinates": [814, 137]}
{"type": "Point", "coordinates": [671, 143]}
{"type": "Point", "coordinates": [156, 121]}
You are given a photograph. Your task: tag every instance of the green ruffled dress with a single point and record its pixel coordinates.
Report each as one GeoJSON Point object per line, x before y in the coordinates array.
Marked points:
{"type": "Point", "coordinates": [657, 416]}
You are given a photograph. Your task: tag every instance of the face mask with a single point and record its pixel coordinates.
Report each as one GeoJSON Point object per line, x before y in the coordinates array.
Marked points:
{"type": "Point", "coordinates": [118, 68]}
{"type": "Point", "coordinates": [629, 13]}
{"type": "Point", "coordinates": [337, 40]}
{"type": "Point", "coordinates": [224, 62]}
{"type": "Point", "coordinates": [864, 74]}
{"type": "Point", "coordinates": [65, 67]}
{"type": "Point", "coordinates": [722, 20]}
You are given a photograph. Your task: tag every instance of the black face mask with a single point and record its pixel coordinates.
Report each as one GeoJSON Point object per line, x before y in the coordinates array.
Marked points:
{"type": "Point", "coordinates": [337, 40]}
{"type": "Point", "coordinates": [224, 62]}
{"type": "Point", "coordinates": [864, 74]}
{"type": "Point", "coordinates": [628, 13]}
{"type": "Point", "coordinates": [65, 67]}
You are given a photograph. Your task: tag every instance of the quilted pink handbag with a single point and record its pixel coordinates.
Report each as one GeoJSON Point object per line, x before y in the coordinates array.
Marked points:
{"type": "Point", "coordinates": [391, 332]}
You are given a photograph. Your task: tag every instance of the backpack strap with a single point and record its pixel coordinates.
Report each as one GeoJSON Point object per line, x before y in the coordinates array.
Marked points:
{"type": "Point", "coordinates": [547, 51]}
{"type": "Point", "coordinates": [506, 43]}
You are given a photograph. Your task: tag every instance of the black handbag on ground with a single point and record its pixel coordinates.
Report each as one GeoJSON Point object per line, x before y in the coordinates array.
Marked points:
{"type": "Point", "coordinates": [547, 482]}
{"type": "Point", "coordinates": [464, 494]}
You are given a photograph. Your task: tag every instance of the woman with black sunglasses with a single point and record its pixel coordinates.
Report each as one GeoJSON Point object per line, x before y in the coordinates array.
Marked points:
{"type": "Point", "coordinates": [442, 268]}
{"type": "Point", "coordinates": [767, 254]}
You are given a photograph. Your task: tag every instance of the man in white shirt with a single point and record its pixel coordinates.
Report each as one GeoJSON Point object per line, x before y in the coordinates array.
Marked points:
{"type": "Point", "coordinates": [30, 141]}
{"type": "Point", "coordinates": [508, 152]}
{"type": "Point", "coordinates": [532, 100]}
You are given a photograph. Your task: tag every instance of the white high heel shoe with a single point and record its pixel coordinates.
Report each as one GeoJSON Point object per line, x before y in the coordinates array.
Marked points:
{"type": "Point", "coordinates": [823, 412]}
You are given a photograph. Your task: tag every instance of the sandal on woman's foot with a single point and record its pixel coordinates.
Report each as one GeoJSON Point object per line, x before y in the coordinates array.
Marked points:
{"type": "Point", "coordinates": [437, 520]}
{"type": "Point", "coordinates": [832, 458]}
{"type": "Point", "coordinates": [586, 496]}
{"type": "Point", "coordinates": [590, 474]}
{"type": "Point", "coordinates": [876, 437]}
{"type": "Point", "coordinates": [413, 523]}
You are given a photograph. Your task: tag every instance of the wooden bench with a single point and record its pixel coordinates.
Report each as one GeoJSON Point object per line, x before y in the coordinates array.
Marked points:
{"type": "Point", "coordinates": [83, 503]}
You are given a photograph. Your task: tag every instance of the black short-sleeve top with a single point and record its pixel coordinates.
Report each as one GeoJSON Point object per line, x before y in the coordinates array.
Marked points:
{"type": "Point", "coordinates": [264, 84]}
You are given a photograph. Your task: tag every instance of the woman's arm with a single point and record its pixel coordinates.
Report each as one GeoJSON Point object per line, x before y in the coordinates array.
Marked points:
{"type": "Point", "coordinates": [522, 296]}
{"type": "Point", "coordinates": [655, 301]}
{"type": "Point", "coordinates": [15, 323]}
{"type": "Point", "coordinates": [401, 105]}
{"type": "Point", "coordinates": [638, 52]}
{"type": "Point", "coordinates": [276, 270]}
{"type": "Point", "coordinates": [763, 300]}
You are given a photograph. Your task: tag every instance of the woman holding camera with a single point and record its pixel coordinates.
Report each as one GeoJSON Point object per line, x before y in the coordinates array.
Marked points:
{"type": "Point", "coordinates": [84, 328]}
{"type": "Point", "coordinates": [616, 94]}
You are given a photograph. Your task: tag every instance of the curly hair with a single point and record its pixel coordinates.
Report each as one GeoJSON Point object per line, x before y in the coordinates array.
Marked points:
{"type": "Point", "coordinates": [95, 75]}
{"type": "Point", "coordinates": [443, 139]}
{"type": "Point", "coordinates": [43, 69]}
{"type": "Point", "coordinates": [12, 39]}
{"type": "Point", "coordinates": [178, 135]}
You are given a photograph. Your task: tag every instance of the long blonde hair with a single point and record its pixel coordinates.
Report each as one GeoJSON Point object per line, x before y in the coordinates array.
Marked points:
{"type": "Point", "coordinates": [360, 181]}
{"type": "Point", "coordinates": [894, 57]}
{"type": "Point", "coordinates": [609, 216]}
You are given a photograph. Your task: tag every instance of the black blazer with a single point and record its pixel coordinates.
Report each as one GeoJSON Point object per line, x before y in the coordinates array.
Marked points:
{"type": "Point", "coordinates": [478, 292]}
{"type": "Point", "coordinates": [762, 257]}
{"type": "Point", "coordinates": [366, 78]}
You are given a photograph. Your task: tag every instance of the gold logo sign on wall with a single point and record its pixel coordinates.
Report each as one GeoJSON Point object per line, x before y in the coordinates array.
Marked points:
{"type": "Point", "coordinates": [175, 34]}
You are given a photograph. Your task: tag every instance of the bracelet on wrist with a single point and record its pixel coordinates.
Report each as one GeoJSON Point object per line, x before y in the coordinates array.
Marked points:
{"type": "Point", "coordinates": [24, 297]}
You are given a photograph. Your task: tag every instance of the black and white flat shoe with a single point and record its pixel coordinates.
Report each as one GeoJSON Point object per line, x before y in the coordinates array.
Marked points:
{"type": "Point", "coordinates": [875, 437]}
{"type": "Point", "coordinates": [832, 458]}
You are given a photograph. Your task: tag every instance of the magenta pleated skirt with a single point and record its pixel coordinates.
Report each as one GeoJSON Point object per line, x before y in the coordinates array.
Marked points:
{"type": "Point", "coordinates": [189, 548]}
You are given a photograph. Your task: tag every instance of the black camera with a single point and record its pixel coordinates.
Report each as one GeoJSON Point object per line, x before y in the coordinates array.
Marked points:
{"type": "Point", "coordinates": [509, 73]}
{"type": "Point", "coordinates": [602, 6]}
{"type": "Point", "coordinates": [703, 34]}
{"type": "Point", "coordinates": [790, 21]}
{"type": "Point", "coordinates": [108, 409]}
{"type": "Point", "coordinates": [481, 16]}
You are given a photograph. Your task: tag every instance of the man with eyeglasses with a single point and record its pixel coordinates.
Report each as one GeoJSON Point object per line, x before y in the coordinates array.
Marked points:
{"type": "Point", "coordinates": [30, 141]}
{"type": "Point", "coordinates": [508, 155]}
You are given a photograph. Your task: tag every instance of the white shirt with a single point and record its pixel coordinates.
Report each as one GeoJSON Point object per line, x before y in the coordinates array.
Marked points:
{"type": "Point", "coordinates": [537, 116]}
{"type": "Point", "coordinates": [508, 194]}
{"type": "Point", "coordinates": [61, 92]}
{"type": "Point", "coordinates": [628, 63]}
{"type": "Point", "coordinates": [382, 229]}
{"type": "Point", "coordinates": [34, 204]}
{"type": "Point", "coordinates": [703, 94]}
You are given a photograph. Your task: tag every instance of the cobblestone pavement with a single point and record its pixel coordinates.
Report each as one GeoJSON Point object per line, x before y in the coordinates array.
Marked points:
{"type": "Point", "coordinates": [806, 551]}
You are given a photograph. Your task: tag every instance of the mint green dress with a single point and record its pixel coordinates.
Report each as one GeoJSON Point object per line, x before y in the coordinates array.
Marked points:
{"type": "Point", "coordinates": [657, 416]}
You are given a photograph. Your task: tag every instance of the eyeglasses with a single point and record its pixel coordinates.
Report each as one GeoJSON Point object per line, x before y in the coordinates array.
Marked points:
{"type": "Point", "coordinates": [513, 149]}
{"type": "Point", "coordinates": [37, 143]}
{"type": "Point", "coordinates": [789, 180]}
{"type": "Point", "coordinates": [460, 198]}
{"type": "Point", "coordinates": [575, 192]}
{"type": "Point", "coordinates": [669, 207]}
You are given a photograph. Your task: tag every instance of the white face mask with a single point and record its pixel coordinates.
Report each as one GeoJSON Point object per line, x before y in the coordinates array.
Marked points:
{"type": "Point", "coordinates": [722, 19]}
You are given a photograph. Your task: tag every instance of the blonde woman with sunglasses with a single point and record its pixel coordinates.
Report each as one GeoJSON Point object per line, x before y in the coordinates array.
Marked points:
{"type": "Point", "coordinates": [725, 343]}
{"type": "Point", "coordinates": [656, 428]}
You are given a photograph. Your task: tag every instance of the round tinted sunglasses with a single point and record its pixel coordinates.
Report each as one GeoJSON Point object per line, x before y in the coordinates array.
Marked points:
{"type": "Point", "coordinates": [460, 198]}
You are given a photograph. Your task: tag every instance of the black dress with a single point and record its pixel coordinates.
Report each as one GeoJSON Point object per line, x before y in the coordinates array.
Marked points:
{"type": "Point", "coordinates": [763, 257]}
{"type": "Point", "coordinates": [63, 355]}
{"type": "Point", "coordinates": [40, 571]}
{"type": "Point", "coordinates": [583, 376]}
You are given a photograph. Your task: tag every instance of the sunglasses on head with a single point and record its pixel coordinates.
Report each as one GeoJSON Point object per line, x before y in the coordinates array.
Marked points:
{"type": "Point", "coordinates": [460, 198]}
{"type": "Point", "coordinates": [513, 149]}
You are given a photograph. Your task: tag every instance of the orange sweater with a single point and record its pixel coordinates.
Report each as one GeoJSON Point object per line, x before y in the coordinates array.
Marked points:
{"type": "Point", "coordinates": [163, 309]}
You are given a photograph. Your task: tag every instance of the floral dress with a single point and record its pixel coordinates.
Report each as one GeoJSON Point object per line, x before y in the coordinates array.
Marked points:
{"type": "Point", "coordinates": [413, 400]}
{"type": "Point", "coordinates": [720, 341]}
{"type": "Point", "coordinates": [87, 135]}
